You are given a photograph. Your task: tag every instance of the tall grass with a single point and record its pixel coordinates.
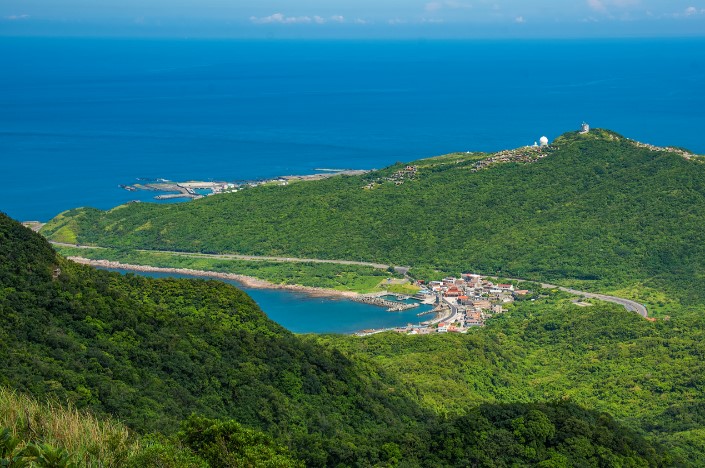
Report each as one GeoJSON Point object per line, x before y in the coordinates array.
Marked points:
{"type": "Point", "coordinates": [92, 442]}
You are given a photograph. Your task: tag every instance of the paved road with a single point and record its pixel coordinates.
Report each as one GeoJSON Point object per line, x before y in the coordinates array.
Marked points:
{"type": "Point", "coordinates": [630, 305]}
{"type": "Point", "coordinates": [75, 246]}
{"type": "Point", "coordinates": [380, 266]}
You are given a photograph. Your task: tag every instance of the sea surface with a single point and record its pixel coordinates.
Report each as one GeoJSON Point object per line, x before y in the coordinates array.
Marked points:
{"type": "Point", "coordinates": [302, 313]}
{"type": "Point", "coordinates": [79, 117]}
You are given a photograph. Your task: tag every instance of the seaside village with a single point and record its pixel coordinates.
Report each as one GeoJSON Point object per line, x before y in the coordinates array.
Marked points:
{"type": "Point", "coordinates": [460, 303]}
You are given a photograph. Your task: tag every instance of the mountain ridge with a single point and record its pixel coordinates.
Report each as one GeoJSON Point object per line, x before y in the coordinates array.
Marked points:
{"type": "Point", "coordinates": [594, 211]}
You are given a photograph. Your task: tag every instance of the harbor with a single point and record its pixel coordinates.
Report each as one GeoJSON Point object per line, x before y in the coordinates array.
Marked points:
{"type": "Point", "coordinates": [302, 312]}
{"type": "Point", "coordinates": [195, 189]}
{"type": "Point", "coordinates": [401, 303]}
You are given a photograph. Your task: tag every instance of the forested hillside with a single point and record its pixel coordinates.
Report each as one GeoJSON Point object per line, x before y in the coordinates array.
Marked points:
{"type": "Point", "coordinates": [154, 352]}
{"type": "Point", "coordinates": [648, 375]}
{"type": "Point", "coordinates": [598, 209]}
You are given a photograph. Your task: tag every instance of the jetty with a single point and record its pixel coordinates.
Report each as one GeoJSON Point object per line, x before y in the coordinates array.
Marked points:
{"type": "Point", "coordinates": [435, 310]}
{"type": "Point", "coordinates": [377, 299]}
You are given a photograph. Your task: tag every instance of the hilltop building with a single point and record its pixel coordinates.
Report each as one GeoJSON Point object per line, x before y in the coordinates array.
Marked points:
{"type": "Point", "coordinates": [584, 128]}
{"type": "Point", "coordinates": [543, 141]}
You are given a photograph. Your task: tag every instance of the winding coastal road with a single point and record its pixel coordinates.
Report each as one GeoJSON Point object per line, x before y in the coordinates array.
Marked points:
{"type": "Point", "coordinates": [628, 304]}
{"type": "Point", "coordinates": [380, 266]}
{"type": "Point", "coordinates": [261, 258]}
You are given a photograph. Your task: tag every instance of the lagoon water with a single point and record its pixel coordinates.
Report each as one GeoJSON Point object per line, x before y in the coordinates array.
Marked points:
{"type": "Point", "coordinates": [78, 117]}
{"type": "Point", "coordinates": [302, 313]}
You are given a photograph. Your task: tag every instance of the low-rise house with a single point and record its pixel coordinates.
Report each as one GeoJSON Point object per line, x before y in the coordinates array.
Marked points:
{"type": "Point", "coordinates": [474, 319]}
{"type": "Point", "coordinates": [484, 304]}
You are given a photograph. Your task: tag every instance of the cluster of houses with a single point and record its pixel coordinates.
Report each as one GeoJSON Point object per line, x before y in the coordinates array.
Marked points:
{"type": "Point", "coordinates": [398, 177]}
{"type": "Point", "coordinates": [470, 300]}
{"type": "Point", "coordinates": [525, 154]}
{"type": "Point", "coordinates": [461, 303]}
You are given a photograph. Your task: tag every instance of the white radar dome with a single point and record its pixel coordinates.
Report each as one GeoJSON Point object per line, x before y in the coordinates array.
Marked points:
{"type": "Point", "coordinates": [543, 141]}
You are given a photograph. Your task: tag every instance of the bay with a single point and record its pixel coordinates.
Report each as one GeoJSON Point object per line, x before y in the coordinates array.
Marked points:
{"type": "Point", "coordinates": [80, 116]}
{"type": "Point", "coordinates": [303, 313]}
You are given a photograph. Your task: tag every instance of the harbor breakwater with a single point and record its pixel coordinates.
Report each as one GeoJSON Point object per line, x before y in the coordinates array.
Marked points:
{"type": "Point", "coordinates": [392, 306]}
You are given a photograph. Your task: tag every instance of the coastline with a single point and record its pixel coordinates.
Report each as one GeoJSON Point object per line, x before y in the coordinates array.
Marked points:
{"type": "Point", "coordinates": [248, 281]}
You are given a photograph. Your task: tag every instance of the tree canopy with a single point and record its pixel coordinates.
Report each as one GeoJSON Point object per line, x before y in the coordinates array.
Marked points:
{"type": "Point", "coordinates": [598, 209]}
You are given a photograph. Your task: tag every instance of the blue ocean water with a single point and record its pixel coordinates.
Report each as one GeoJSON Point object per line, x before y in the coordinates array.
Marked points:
{"type": "Point", "coordinates": [78, 117]}
{"type": "Point", "coordinates": [302, 313]}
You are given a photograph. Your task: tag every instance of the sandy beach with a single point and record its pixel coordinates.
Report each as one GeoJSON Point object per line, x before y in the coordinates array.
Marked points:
{"type": "Point", "coordinates": [248, 281]}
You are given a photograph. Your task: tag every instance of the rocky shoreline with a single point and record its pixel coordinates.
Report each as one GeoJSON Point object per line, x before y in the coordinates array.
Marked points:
{"type": "Point", "coordinates": [248, 281]}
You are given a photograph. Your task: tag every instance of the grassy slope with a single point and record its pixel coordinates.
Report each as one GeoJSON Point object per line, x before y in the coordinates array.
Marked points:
{"type": "Point", "coordinates": [94, 441]}
{"type": "Point", "coordinates": [598, 211]}
{"type": "Point", "coordinates": [52, 434]}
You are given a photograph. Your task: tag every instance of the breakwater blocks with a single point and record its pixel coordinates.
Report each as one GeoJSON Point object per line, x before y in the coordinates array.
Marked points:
{"type": "Point", "coordinates": [392, 306]}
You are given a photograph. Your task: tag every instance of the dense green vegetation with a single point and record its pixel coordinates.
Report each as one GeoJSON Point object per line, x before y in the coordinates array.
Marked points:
{"type": "Point", "coordinates": [356, 278]}
{"type": "Point", "coordinates": [154, 352]}
{"type": "Point", "coordinates": [55, 436]}
{"type": "Point", "coordinates": [204, 377]}
{"type": "Point", "coordinates": [598, 211]}
{"type": "Point", "coordinates": [648, 375]}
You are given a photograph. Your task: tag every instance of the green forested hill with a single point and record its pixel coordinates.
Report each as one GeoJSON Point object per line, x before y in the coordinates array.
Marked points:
{"type": "Point", "coordinates": [648, 375]}
{"type": "Point", "coordinates": [598, 209]}
{"type": "Point", "coordinates": [154, 352]}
